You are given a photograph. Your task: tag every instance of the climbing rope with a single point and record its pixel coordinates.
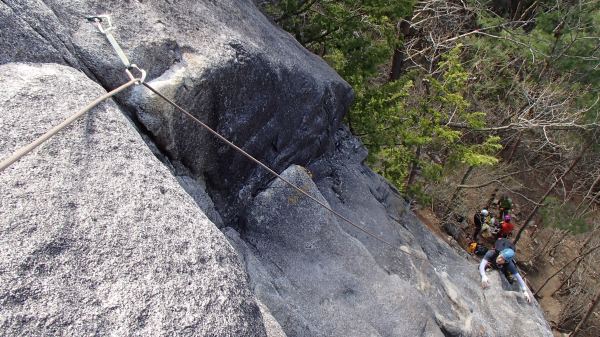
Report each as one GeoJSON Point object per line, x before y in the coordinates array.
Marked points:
{"type": "Point", "coordinates": [98, 21]}
{"type": "Point", "coordinates": [275, 174]}
{"type": "Point", "coordinates": [29, 147]}
{"type": "Point", "coordinates": [249, 156]}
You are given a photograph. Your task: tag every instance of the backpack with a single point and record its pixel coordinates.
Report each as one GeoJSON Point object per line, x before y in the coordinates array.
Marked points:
{"type": "Point", "coordinates": [480, 250]}
{"type": "Point", "coordinates": [488, 227]}
{"type": "Point", "coordinates": [503, 243]}
{"type": "Point", "coordinates": [477, 249]}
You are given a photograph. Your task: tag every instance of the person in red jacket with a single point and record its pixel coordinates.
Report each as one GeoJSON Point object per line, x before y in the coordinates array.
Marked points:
{"type": "Point", "coordinates": [506, 227]}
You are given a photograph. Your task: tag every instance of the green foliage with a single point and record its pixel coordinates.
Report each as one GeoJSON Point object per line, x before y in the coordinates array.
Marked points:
{"type": "Point", "coordinates": [354, 36]}
{"type": "Point", "coordinates": [558, 215]}
{"type": "Point", "coordinates": [569, 34]}
{"type": "Point", "coordinates": [403, 123]}
{"type": "Point", "coordinates": [418, 193]}
{"type": "Point", "coordinates": [488, 19]}
{"type": "Point", "coordinates": [560, 48]}
{"type": "Point", "coordinates": [392, 162]}
{"type": "Point", "coordinates": [422, 126]}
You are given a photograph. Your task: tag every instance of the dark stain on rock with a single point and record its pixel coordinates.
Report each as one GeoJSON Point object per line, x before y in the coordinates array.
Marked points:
{"type": "Point", "coordinates": [17, 297]}
{"type": "Point", "coordinates": [56, 247]}
{"type": "Point", "coordinates": [142, 318]}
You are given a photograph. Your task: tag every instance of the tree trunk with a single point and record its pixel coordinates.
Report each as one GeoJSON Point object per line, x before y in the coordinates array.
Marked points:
{"type": "Point", "coordinates": [458, 189]}
{"type": "Point", "coordinates": [514, 149]}
{"type": "Point", "coordinates": [542, 251]}
{"type": "Point", "coordinates": [587, 241]}
{"type": "Point", "coordinates": [509, 159]}
{"type": "Point", "coordinates": [397, 63]}
{"type": "Point", "coordinates": [548, 191]}
{"type": "Point", "coordinates": [594, 198]}
{"type": "Point", "coordinates": [413, 168]}
{"type": "Point", "coordinates": [590, 191]}
{"type": "Point", "coordinates": [581, 256]}
{"type": "Point", "coordinates": [488, 204]}
{"type": "Point", "coordinates": [398, 58]}
{"type": "Point", "coordinates": [586, 316]}
{"type": "Point", "coordinates": [568, 277]}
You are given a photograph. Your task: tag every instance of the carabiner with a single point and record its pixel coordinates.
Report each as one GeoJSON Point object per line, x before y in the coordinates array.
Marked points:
{"type": "Point", "coordinates": [142, 73]}
{"type": "Point", "coordinates": [98, 19]}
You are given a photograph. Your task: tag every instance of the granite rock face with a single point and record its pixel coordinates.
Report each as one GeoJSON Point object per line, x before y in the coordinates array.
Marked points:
{"type": "Point", "coordinates": [96, 235]}
{"type": "Point", "coordinates": [222, 60]}
{"type": "Point", "coordinates": [322, 277]}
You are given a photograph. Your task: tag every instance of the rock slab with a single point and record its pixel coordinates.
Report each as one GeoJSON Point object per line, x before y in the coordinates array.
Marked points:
{"type": "Point", "coordinates": [320, 276]}
{"type": "Point", "coordinates": [222, 60]}
{"type": "Point", "coordinates": [96, 236]}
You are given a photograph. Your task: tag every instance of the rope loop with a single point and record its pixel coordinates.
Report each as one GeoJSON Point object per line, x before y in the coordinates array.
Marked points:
{"type": "Point", "coordinates": [142, 72]}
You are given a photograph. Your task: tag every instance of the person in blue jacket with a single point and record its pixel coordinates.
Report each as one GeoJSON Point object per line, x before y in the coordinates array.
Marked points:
{"type": "Point", "coordinates": [502, 258]}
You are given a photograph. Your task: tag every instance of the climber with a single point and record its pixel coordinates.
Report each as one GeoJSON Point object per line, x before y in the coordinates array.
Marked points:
{"type": "Point", "coordinates": [489, 228]}
{"type": "Point", "coordinates": [505, 204]}
{"type": "Point", "coordinates": [505, 228]}
{"type": "Point", "coordinates": [502, 258]}
{"type": "Point", "coordinates": [479, 218]}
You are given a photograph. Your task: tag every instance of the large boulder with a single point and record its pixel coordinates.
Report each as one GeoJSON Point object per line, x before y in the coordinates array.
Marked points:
{"type": "Point", "coordinates": [222, 60]}
{"type": "Point", "coordinates": [96, 235]}
{"type": "Point", "coordinates": [320, 276]}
